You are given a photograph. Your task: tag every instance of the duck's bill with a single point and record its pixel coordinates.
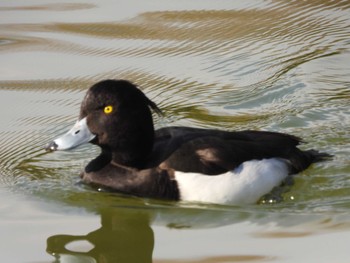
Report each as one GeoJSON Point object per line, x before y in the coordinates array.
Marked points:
{"type": "Point", "coordinates": [76, 136]}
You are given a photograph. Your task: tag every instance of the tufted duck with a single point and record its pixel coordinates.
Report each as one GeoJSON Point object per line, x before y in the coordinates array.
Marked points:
{"type": "Point", "coordinates": [177, 163]}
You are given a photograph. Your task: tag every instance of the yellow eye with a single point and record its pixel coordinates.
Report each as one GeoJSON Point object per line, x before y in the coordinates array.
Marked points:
{"type": "Point", "coordinates": [108, 109]}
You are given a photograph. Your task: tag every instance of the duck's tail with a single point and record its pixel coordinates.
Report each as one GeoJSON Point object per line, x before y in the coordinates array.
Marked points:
{"type": "Point", "coordinates": [316, 156]}
{"type": "Point", "coordinates": [303, 159]}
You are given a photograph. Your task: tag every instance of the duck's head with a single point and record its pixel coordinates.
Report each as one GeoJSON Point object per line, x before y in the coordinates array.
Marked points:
{"type": "Point", "coordinates": [115, 115]}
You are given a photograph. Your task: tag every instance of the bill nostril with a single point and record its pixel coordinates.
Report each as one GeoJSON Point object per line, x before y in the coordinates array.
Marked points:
{"type": "Point", "coordinates": [77, 132]}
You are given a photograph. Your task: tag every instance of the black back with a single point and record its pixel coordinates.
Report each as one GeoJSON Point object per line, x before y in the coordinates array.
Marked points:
{"type": "Point", "coordinates": [214, 152]}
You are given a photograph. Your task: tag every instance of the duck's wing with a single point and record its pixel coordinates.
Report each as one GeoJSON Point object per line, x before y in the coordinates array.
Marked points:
{"type": "Point", "coordinates": [213, 152]}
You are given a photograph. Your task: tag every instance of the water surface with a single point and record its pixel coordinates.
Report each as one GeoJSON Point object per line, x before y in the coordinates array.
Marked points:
{"type": "Point", "coordinates": [264, 65]}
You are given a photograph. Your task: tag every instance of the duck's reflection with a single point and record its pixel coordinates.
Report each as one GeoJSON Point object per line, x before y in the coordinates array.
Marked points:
{"type": "Point", "coordinates": [124, 236]}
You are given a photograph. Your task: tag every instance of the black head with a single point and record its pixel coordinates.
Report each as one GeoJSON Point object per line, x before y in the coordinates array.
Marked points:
{"type": "Point", "coordinates": [119, 114]}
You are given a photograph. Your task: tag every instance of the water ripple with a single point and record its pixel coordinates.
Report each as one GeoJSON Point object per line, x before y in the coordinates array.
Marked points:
{"type": "Point", "coordinates": [273, 65]}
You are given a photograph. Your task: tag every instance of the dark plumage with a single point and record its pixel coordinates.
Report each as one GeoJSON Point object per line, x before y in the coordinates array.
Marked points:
{"type": "Point", "coordinates": [137, 160]}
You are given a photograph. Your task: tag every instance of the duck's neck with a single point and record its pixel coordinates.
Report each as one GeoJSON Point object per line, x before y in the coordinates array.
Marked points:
{"type": "Point", "coordinates": [135, 152]}
{"type": "Point", "coordinates": [99, 162]}
{"type": "Point", "coordinates": [124, 158]}
{"type": "Point", "coordinates": [132, 144]}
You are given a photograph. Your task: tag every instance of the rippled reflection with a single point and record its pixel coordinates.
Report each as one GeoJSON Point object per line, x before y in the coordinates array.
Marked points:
{"type": "Point", "coordinates": [123, 237]}
{"type": "Point", "coordinates": [127, 234]}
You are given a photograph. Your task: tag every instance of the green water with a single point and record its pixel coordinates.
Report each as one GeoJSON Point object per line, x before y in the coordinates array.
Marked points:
{"type": "Point", "coordinates": [233, 65]}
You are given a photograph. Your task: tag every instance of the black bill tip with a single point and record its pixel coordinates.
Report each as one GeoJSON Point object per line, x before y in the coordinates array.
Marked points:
{"type": "Point", "coordinates": [51, 147]}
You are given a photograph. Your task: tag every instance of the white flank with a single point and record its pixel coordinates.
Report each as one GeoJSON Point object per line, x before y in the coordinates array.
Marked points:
{"type": "Point", "coordinates": [244, 185]}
